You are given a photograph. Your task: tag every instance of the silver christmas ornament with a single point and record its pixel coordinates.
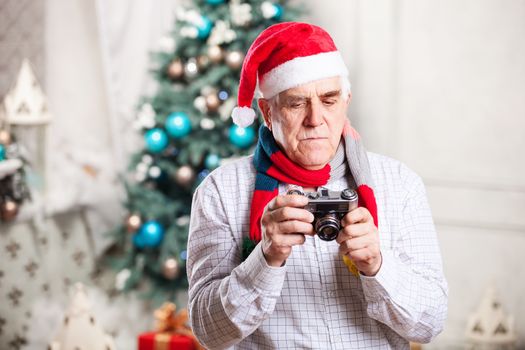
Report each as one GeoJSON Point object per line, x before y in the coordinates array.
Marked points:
{"type": "Point", "coordinates": [191, 69]}
{"type": "Point", "coordinates": [200, 104]}
{"type": "Point", "coordinates": [207, 124]}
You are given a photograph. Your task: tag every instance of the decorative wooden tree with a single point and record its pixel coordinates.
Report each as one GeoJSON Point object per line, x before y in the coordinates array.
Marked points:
{"type": "Point", "coordinates": [80, 330]}
{"type": "Point", "coordinates": [25, 104]}
{"type": "Point", "coordinates": [489, 327]}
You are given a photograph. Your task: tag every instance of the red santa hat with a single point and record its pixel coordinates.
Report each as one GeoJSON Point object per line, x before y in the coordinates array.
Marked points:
{"type": "Point", "coordinates": [283, 56]}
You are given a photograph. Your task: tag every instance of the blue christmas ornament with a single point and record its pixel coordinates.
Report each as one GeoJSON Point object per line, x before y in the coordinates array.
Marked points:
{"type": "Point", "coordinates": [138, 240]}
{"type": "Point", "coordinates": [204, 26]}
{"type": "Point", "coordinates": [212, 161]}
{"type": "Point", "coordinates": [184, 255]}
{"type": "Point", "coordinates": [151, 233]}
{"type": "Point", "coordinates": [178, 125]}
{"type": "Point", "coordinates": [2, 152]}
{"type": "Point", "coordinates": [241, 137]}
{"type": "Point", "coordinates": [156, 140]}
{"type": "Point", "coordinates": [278, 11]}
{"type": "Point", "coordinates": [223, 95]}
{"type": "Point", "coordinates": [215, 2]}
{"type": "Point", "coordinates": [202, 175]}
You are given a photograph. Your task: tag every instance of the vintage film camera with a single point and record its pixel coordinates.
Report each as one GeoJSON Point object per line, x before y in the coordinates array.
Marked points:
{"type": "Point", "coordinates": [328, 208]}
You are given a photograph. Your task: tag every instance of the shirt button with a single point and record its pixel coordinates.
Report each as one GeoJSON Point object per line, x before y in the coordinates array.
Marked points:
{"type": "Point", "coordinates": [331, 293]}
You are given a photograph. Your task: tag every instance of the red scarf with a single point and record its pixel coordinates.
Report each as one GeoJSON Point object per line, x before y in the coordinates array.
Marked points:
{"type": "Point", "coordinates": [273, 166]}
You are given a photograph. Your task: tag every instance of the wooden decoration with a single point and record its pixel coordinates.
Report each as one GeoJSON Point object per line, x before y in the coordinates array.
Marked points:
{"type": "Point", "coordinates": [25, 103]}
{"type": "Point", "coordinates": [489, 326]}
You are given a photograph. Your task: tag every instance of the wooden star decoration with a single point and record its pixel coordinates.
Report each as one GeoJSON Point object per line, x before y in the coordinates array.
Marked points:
{"type": "Point", "coordinates": [2, 324]}
{"type": "Point", "coordinates": [96, 273]}
{"type": "Point", "coordinates": [43, 241]}
{"type": "Point", "coordinates": [79, 256]}
{"type": "Point", "coordinates": [15, 295]}
{"type": "Point", "coordinates": [31, 268]}
{"type": "Point", "coordinates": [65, 235]}
{"type": "Point", "coordinates": [17, 342]}
{"type": "Point", "coordinates": [13, 248]}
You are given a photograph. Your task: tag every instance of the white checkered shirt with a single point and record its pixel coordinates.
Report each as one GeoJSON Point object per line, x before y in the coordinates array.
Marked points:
{"type": "Point", "coordinates": [313, 301]}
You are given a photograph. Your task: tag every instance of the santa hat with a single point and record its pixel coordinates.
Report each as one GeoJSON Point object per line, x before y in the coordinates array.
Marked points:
{"type": "Point", "coordinates": [283, 56]}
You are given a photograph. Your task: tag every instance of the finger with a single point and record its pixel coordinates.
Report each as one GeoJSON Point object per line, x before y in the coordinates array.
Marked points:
{"type": "Point", "coordinates": [292, 239]}
{"type": "Point", "coordinates": [295, 226]}
{"type": "Point", "coordinates": [355, 244]}
{"type": "Point", "coordinates": [289, 200]}
{"type": "Point", "coordinates": [352, 231]}
{"type": "Point", "coordinates": [291, 213]}
{"type": "Point", "coordinates": [357, 215]}
{"type": "Point", "coordinates": [361, 255]}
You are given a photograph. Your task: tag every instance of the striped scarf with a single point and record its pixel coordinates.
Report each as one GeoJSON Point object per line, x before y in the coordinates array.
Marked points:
{"type": "Point", "coordinates": [273, 167]}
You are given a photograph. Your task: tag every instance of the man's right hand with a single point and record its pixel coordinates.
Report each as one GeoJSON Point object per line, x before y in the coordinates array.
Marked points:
{"type": "Point", "coordinates": [284, 223]}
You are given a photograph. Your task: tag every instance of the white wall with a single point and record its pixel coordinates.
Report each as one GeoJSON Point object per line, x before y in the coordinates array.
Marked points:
{"type": "Point", "coordinates": [440, 85]}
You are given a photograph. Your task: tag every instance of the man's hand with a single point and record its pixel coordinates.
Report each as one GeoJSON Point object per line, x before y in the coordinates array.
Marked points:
{"type": "Point", "coordinates": [284, 223]}
{"type": "Point", "coordinates": [359, 239]}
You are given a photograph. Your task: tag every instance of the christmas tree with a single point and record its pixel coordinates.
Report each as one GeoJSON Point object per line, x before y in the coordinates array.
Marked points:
{"type": "Point", "coordinates": [188, 132]}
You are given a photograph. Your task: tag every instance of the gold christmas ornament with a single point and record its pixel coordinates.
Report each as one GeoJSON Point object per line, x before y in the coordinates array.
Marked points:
{"type": "Point", "coordinates": [8, 210]}
{"type": "Point", "coordinates": [5, 137]}
{"type": "Point", "coordinates": [234, 59]}
{"type": "Point", "coordinates": [203, 61]}
{"type": "Point", "coordinates": [171, 268]}
{"type": "Point", "coordinates": [184, 175]}
{"type": "Point", "coordinates": [133, 223]}
{"type": "Point", "coordinates": [212, 103]}
{"type": "Point", "coordinates": [215, 53]}
{"type": "Point", "coordinates": [176, 69]}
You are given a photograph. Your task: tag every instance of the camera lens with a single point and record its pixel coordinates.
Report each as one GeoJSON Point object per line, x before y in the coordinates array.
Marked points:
{"type": "Point", "coordinates": [295, 191]}
{"type": "Point", "coordinates": [327, 227]}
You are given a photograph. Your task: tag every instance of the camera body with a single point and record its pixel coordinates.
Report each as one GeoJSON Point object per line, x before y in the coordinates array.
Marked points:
{"type": "Point", "coordinates": [329, 208]}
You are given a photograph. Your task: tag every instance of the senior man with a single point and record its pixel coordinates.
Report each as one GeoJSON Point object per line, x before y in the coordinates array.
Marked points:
{"type": "Point", "coordinates": [260, 277]}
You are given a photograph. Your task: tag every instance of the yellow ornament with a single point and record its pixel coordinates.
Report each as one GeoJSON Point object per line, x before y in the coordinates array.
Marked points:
{"type": "Point", "coordinates": [350, 265]}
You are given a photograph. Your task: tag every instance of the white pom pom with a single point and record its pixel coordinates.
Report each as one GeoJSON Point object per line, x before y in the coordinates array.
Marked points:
{"type": "Point", "coordinates": [243, 116]}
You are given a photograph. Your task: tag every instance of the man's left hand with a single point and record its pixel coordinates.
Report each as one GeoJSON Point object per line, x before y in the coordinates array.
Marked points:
{"type": "Point", "coordinates": [359, 239]}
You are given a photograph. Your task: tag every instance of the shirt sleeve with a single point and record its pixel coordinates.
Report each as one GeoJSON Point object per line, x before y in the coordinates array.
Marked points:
{"type": "Point", "coordinates": [228, 300]}
{"type": "Point", "coordinates": [409, 293]}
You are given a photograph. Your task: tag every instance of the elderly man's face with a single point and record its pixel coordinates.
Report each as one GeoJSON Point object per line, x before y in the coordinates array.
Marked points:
{"type": "Point", "coordinates": [307, 121]}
